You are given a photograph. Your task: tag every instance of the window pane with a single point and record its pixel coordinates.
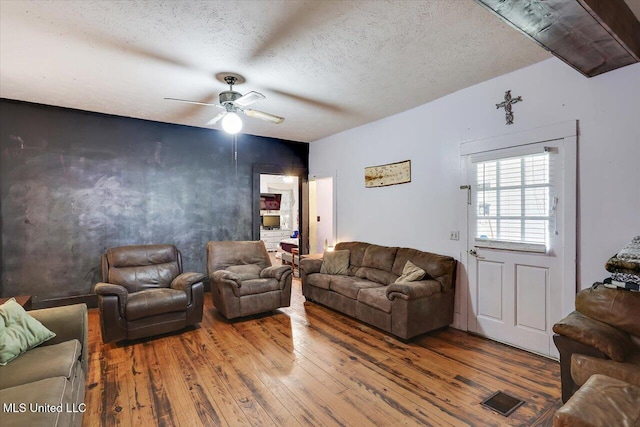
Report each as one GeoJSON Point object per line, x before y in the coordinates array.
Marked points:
{"type": "Point", "coordinates": [510, 172]}
{"type": "Point", "coordinates": [536, 169]}
{"type": "Point", "coordinates": [486, 229]}
{"type": "Point", "coordinates": [535, 231]}
{"type": "Point", "coordinates": [486, 175]}
{"type": "Point", "coordinates": [487, 203]}
{"type": "Point", "coordinates": [510, 203]}
{"type": "Point", "coordinates": [511, 192]}
{"type": "Point", "coordinates": [510, 230]}
{"type": "Point", "coordinates": [536, 201]}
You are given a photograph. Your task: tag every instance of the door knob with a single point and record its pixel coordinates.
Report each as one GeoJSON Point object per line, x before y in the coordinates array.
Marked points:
{"type": "Point", "coordinates": [474, 253]}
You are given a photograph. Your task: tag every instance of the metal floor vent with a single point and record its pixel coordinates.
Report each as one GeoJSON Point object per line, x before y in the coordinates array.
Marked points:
{"type": "Point", "coordinates": [502, 403]}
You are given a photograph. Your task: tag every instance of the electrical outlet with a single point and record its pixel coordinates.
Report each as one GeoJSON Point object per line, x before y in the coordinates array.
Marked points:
{"type": "Point", "coordinates": [454, 235]}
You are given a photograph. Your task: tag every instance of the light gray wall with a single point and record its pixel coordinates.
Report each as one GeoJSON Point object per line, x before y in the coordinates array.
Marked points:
{"type": "Point", "coordinates": [422, 213]}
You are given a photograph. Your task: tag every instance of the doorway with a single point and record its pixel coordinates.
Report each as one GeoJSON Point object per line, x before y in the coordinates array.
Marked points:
{"type": "Point", "coordinates": [322, 218]}
{"type": "Point", "coordinates": [279, 212]}
{"type": "Point", "coordinates": [521, 241]}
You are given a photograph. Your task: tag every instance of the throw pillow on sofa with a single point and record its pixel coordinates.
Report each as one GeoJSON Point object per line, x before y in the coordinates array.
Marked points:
{"type": "Point", "coordinates": [19, 332]}
{"type": "Point", "coordinates": [411, 273]}
{"type": "Point", "coordinates": [336, 262]}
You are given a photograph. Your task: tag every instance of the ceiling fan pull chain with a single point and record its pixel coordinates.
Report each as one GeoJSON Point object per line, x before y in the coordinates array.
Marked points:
{"type": "Point", "coordinates": [235, 153]}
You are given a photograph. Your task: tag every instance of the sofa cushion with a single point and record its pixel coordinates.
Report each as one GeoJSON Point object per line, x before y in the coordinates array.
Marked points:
{"type": "Point", "coordinates": [19, 332]}
{"type": "Point", "coordinates": [438, 267]}
{"type": "Point", "coordinates": [155, 301]}
{"type": "Point", "coordinates": [336, 262]}
{"type": "Point", "coordinates": [382, 277]}
{"type": "Point", "coordinates": [410, 273]}
{"type": "Point", "coordinates": [258, 286]}
{"type": "Point", "coordinates": [377, 263]}
{"type": "Point", "coordinates": [357, 250]}
{"type": "Point", "coordinates": [379, 257]}
{"type": "Point", "coordinates": [320, 280]}
{"type": "Point", "coordinates": [58, 360]}
{"type": "Point", "coordinates": [376, 298]}
{"type": "Point", "coordinates": [50, 391]}
{"type": "Point", "coordinates": [246, 271]}
{"type": "Point", "coordinates": [349, 286]}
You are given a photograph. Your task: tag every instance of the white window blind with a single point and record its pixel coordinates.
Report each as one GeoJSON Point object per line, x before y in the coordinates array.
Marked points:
{"type": "Point", "coordinates": [513, 209]}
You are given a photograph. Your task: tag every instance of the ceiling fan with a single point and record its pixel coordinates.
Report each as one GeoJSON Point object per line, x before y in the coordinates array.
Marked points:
{"type": "Point", "coordinates": [233, 103]}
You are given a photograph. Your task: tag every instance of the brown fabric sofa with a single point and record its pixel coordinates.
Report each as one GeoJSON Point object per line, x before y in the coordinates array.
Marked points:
{"type": "Point", "coordinates": [601, 337]}
{"type": "Point", "coordinates": [368, 292]}
{"type": "Point", "coordinates": [243, 281]}
{"type": "Point", "coordinates": [51, 374]}
{"type": "Point", "coordinates": [144, 292]}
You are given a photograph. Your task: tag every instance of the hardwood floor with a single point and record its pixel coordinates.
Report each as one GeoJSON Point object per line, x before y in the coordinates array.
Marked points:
{"type": "Point", "coordinates": [308, 365]}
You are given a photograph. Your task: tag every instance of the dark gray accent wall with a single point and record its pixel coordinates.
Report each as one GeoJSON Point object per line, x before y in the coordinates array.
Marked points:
{"type": "Point", "coordinates": [74, 183]}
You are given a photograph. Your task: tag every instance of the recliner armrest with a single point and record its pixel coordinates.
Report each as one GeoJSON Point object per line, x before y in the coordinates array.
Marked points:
{"type": "Point", "coordinates": [413, 290]}
{"type": "Point", "coordinates": [227, 277]}
{"type": "Point", "coordinates": [613, 342]}
{"type": "Point", "coordinates": [275, 272]}
{"type": "Point", "coordinates": [185, 280]}
{"type": "Point", "coordinates": [110, 289]}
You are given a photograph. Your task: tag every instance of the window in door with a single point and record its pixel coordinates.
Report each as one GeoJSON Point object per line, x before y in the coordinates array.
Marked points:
{"type": "Point", "coordinates": [514, 203]}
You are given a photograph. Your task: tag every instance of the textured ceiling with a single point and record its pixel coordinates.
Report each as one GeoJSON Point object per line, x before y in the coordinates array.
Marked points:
{"type": "Point", "coordinates": [326, 66]}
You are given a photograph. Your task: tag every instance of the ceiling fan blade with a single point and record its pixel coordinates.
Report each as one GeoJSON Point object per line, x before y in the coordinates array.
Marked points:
{"type": "Point", "coordinates": [264, 116]}
{"type": "Point", "coordinates": [314, 102]}
{"type": "Point", "coordinates": [300, 18]}
{"type": "Point", "coordinates": [249, 98]}
{"type": "Point", "coordinates": [194, 102]}
{"type": "Point", "coordinates": [216, 119]}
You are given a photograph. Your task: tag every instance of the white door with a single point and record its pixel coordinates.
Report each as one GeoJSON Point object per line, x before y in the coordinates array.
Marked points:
{"type": "Point", "coordinates": [521, 242]}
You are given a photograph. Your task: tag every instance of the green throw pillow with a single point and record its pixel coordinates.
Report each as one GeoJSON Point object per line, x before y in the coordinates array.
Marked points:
{"type": "Point", "coordinates": [336, 262]}
{"type": "Point", "coordinates": [411, 273]}
{"type": "Point", "coordinates": [19, 332]}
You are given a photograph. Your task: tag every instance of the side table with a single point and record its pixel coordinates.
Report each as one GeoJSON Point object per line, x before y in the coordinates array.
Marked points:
{"type": "Point", "coordinates": [23, 300]}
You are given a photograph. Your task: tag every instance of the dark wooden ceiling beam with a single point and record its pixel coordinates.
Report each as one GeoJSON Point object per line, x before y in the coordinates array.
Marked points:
{"type": "Point", "coordinates": [619, 20]}
{"type": "Point", "coordinates": [592, 36]}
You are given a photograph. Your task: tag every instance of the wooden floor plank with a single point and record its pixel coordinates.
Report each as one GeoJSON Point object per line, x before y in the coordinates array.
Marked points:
{"type": "Point", "coordinates": [198, 368]}
{"type": "Point", "coordinates": [309, 365]}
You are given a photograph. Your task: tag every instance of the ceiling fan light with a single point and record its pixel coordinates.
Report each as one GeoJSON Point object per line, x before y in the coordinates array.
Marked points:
{"type": "Point", "coordinates": [231, 123]}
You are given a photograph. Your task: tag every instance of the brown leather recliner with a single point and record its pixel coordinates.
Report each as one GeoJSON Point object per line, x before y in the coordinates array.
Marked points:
{"type": "Point", "coordinates": [146, 293]}
{"type": "Point", "coordinates": [243, 282]}
{"type": "Point", "coordinates": [601, 337]}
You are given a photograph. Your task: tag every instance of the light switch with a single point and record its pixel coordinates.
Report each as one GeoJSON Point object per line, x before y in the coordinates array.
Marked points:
{"type": "Point", "coordinates": [318, 220]}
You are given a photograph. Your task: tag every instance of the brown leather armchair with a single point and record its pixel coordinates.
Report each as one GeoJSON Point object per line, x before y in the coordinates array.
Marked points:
{"type": "Point", "coordinates": [146, 293]}
{"type": "Point", "coordinates": [243, 282]}
{"type": "Point", "coordinates": [601, 337]}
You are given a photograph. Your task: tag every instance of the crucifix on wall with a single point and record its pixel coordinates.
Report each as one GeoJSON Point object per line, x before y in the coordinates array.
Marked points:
{"type": "Point", "coordinates": [506, 104]}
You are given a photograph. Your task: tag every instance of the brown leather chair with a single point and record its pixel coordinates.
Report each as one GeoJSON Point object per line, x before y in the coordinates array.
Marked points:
{"type": "Point", "coordinates": [243, 282]}
{"type": "Point", "coordinates": [601, 337]}
{"type": "Point", "coordinates": [146, 293]}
